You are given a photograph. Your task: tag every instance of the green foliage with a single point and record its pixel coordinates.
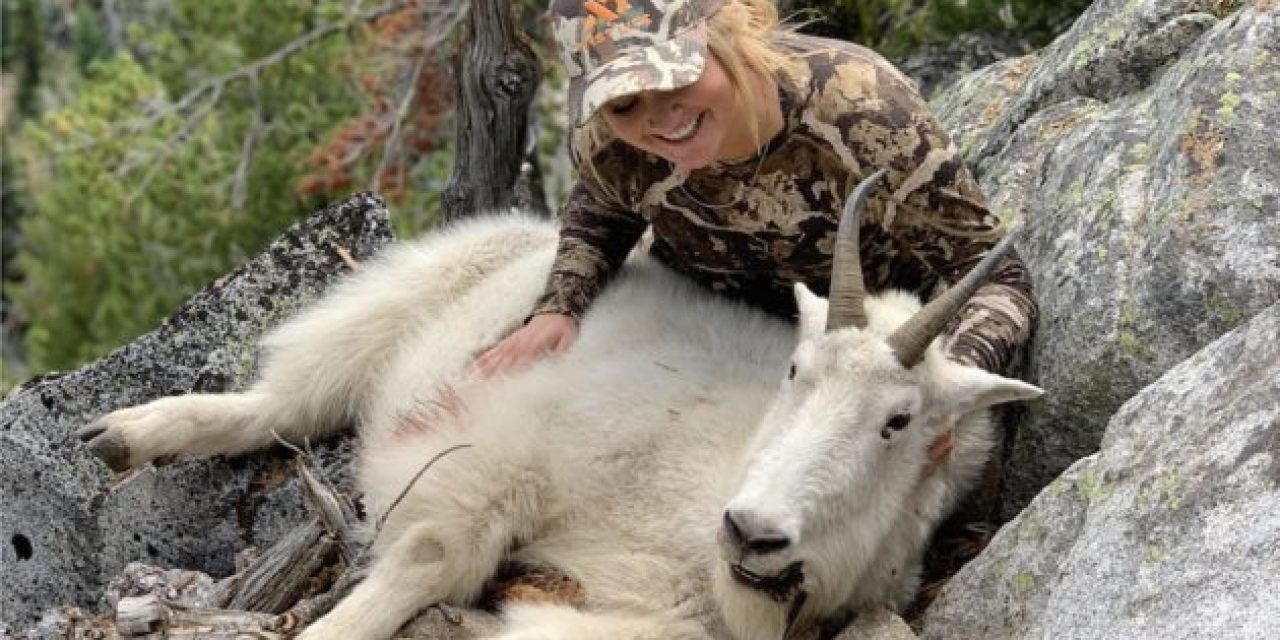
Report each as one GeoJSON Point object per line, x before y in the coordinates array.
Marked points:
{"type": "Point", "coordinates": [132, 206]}
{"type": "Point", "coordinates": [89, 39]}
{"type": "Point", "coordinates": [101, 254]}
{"type": "Point", "coordinates": [893, 27]}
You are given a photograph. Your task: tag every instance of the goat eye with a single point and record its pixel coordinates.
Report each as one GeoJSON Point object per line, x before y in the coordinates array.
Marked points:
{"type": "Point", "coordinates": [791, 375]}
{"type": "Point", "coordinates": [899, 422]}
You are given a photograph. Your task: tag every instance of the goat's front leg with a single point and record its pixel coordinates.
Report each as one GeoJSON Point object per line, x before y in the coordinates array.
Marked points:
{"type": "Point", "coordinates": [411, 575]}
{"type": "Point", "coordinates": [559, 622]}
{"type": "Point", "coordinates": [444, 541]}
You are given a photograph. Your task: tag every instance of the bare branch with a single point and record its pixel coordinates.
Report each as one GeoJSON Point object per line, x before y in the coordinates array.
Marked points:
{"type": "Point", "coordinates": [393, 140]}
{"type": "Point", "coordinates": [346, 256]}
{"type": "Point", "coordinates": [411, 89]}
{"type": "Point", "coordinates": [216, 86]}
{"type": "Point", "coordinates": [257, 129]}
{"type": "Point", "coordinates": [337, 516]}
{"type": "Point", "coordinates": [176, 140]}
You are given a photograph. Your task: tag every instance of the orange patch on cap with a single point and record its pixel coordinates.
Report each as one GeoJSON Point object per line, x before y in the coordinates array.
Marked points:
{"type": "Point", "coordinates": [601, 11]}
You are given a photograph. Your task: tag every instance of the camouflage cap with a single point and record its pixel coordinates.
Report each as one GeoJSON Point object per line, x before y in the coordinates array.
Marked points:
{"type": "Point", "coordinates": [614, 48]}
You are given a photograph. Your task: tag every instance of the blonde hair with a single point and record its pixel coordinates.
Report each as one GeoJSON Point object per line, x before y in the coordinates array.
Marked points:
{"type": "Point", "coordinates": [745, 36]}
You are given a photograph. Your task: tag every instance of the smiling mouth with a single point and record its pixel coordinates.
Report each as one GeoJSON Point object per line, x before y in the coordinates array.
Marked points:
{"type": "Point", "coordinates": [778, 587]}
{"type": "Point", "coordinates": [684, 133]}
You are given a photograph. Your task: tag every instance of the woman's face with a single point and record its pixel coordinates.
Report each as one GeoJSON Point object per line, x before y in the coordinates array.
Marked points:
{"type": "Point", "coordinates": [691, 127]}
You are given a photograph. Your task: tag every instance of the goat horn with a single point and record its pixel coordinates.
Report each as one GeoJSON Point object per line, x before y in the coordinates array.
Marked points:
{"type": "Point", "coordinates": [911, 339]}
{"type": "Point", "coordinates": [847, 288]}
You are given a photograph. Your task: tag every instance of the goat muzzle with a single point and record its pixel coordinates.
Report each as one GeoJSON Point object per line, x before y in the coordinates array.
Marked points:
{"type": "Point", "coordinates": [778, 587]}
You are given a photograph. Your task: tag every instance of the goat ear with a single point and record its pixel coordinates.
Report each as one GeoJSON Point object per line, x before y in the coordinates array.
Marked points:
{"type": "Point", "coordinates": [813, 311]}
{"type": "Point", "coordinates": [969, 388]}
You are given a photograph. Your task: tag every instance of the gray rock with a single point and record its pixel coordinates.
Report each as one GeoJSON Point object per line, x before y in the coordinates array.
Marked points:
{"type": "Point", "coordinates": [934, 66]}
{"type": "Point", "coordinates": [877, 625]}
{"type": "Point", "coordinates": [1115, 49]}
{"type": "Point", "coordinates": [1141, 148]}
{"type": "Point", "coordinates": [1171, 531]}
{"type": "Point", "coordinates": [61, 537]}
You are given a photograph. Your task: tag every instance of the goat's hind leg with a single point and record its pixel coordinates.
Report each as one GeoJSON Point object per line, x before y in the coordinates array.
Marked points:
{"type": "Point", "coordinates": [181, 426]}
{"type": "Point", "coordinates": [319, 368]}
{"type": "Point", "coordinates": [316, 373]}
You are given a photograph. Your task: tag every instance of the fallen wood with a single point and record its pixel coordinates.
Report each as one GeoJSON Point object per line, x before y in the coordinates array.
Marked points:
{"type": "Point", "coordinates": [151, 615]}
{"type": "Point", "coordinates": [282, 574]}
{"type": "Point", "coordinates": [154, 617]}
{"type": "Point", "coordinates": [337, 514]}
{"type": "Point", "coordinates": [308, 610]}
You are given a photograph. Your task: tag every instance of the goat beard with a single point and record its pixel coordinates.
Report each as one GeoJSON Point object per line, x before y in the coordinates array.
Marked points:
{"type": "Point", "coordinates": [778, 587]}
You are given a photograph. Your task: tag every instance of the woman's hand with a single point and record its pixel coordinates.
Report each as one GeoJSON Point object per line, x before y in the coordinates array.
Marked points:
{"type": "Point", "coordinates": [548, 333]}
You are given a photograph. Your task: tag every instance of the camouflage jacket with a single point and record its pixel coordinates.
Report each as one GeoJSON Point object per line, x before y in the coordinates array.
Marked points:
{"type": "Point", "coordinates": [773, 217]}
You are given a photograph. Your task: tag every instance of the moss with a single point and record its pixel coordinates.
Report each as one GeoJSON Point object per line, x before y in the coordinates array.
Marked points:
{"type": "Point", "coordinates": [1032, 530]}
{"type": "Point", "coordinates": [1127, 341]}
{"type": "Point", "coordinates": [1075, 197]}
{"type": "Point", "coordinates": [1058, 487]}
{"type": "Point", "coordinates": [1024, 582]}
{"type": "Point", "coordinates": [1223, 308]}
{"type": "Point", "coordinates": [1224, 8]}
{"type": "Point", "coordinates": [1192, 124]}
{"type": "Point", "coordinates": [1154, 553]}
{"type": "Point", "coordinates": [1131, 345]}
{"type": "Point", "coordinates": [1261, 59]}
{"type": "Point", "coordinates": [1227, 104]}
{"type": "Point", "coordinates": [1140, 153]}
{"type": "Point", "coordinates": [1164, 493]}
{"type": "Point", "coordinates": [1093, 488]}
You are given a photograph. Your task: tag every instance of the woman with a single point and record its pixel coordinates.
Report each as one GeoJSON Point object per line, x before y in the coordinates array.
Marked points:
{"type": "Point", "coordinates": [735, 142]}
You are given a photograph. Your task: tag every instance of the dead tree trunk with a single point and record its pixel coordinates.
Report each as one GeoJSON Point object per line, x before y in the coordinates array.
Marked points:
{"type": "Point", "coordinates": [497, 78]}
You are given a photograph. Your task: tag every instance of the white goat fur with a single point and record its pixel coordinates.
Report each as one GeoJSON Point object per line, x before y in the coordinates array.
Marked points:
{"type": "Point", "coordinates": [614, 462]}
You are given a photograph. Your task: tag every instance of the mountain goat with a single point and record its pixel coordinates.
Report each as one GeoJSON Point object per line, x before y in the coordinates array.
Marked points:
{"type": "Point", "coordinates": [702, 469]}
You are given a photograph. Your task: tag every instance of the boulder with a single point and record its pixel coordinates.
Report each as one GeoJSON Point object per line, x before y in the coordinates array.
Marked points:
{"type": "Point", "coordinates": [1141, 148]}
{"type": "Point", "coordinates": [63, 536]}
{"type": "Point", "coordinates": [934, 66]}
{"type": "Point", "coordinates": [1171, 531]}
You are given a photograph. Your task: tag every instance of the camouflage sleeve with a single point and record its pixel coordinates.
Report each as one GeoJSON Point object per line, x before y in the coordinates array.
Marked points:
{"type": "Point", "coordinates": [951, 229]}
{"type": "Point", "coordinates": [943, 220]}
{"type": "Point", "coordinates": [595, 237]}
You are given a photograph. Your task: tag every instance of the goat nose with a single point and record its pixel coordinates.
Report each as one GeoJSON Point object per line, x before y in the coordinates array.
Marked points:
{"type": "Point", "coordinates": [747, 531]}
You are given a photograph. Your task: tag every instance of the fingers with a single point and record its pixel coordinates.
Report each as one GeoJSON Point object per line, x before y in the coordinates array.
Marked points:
{"type": "Point", "coordinates": [501, 358]}
{"type": "Point", "coordinates": [543, 335]}
{"type": "Point", "coordinates": [563, 342]}
{"type": "Point", "coordinates": [508, 356]}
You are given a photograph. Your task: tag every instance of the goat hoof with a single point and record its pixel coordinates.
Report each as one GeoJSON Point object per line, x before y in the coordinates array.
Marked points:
{"type": "Point", "coordinates": [109, 447]}
{"type": "Point", "coordinates": [90, 431]}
